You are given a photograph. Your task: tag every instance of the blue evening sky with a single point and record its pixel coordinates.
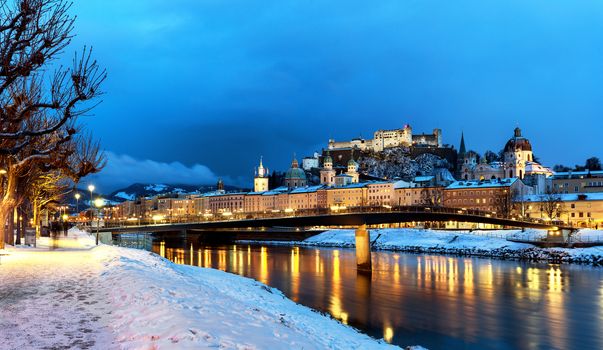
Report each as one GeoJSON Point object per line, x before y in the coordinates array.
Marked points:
{"type": "Point", "coordinates": [201, 88]}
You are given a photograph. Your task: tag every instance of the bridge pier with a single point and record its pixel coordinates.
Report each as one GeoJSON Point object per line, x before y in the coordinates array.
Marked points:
{"type": "Point", "coordinates": [363, 249]}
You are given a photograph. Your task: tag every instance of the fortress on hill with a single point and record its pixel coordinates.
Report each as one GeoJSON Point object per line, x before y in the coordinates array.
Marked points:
{"type": "Point", "coordinates": [383, 139]}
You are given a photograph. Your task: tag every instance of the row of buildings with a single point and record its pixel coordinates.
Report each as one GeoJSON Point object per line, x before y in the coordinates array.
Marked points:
{"type": "Point", "coordinates": [515, 185]}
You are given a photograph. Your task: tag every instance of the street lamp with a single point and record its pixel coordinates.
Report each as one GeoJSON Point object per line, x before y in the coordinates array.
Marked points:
{"type": "Point", "coordinates": [91, 189]}
{"type": "Point", "coordinates": [77, 202]}
{"type": "Point", "coordinates": [98, 203]}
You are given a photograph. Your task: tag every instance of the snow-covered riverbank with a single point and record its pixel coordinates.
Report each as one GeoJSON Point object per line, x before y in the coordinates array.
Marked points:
{"type": "Point", "coordinates": [78, 295]}
{"type": "Point", "coordinates": [479, 243]}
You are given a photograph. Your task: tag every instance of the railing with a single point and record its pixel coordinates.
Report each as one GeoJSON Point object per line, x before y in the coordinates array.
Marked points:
{"type": "Point", "coordinates": [326, 211]}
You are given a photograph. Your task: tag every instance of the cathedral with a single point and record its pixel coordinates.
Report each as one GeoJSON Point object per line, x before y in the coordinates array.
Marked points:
{"type": "Point", "coordinates": [517, 162]}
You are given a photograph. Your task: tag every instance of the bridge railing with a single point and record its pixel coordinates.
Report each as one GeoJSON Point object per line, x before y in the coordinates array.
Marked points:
{"type": "Point", "coordinates": [325, 211]}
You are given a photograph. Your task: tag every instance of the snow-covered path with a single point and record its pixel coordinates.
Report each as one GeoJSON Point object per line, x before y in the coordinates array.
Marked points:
{"type": "Point", "coordinates": [53, 300]}
{"type": "Point", "coordinates": [86, 297]}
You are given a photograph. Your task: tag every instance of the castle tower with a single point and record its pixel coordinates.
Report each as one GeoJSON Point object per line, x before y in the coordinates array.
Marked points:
{"type": "Point", "coordinates": [327, 173]}
{"type": "Point", "coordinates": [260, 181]}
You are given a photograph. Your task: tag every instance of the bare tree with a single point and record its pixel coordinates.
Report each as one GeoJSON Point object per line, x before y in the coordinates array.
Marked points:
{"type": "Point", "coordinates": [431, 196]}
{"type": "Point", "coordinates": [552, 205]}
{"type": "Point", "coordinates": [39, 112]}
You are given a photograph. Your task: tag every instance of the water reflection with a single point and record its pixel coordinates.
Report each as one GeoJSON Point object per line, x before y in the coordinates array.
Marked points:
{"type": "Point", "coordinates": [435, 301]}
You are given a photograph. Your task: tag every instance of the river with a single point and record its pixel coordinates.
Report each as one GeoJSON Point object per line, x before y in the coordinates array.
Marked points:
{"type": "Point", "coordinates": [439, 302]}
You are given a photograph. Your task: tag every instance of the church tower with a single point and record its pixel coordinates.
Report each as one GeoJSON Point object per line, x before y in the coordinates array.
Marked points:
{"type": "Point", "coordinates": [353, 169]}
{"type": "Point", "coordinates": [517, 154]}
{"type": "Point", "coordinates": [460, 158]}
{"type": "Point", "coordinates": [327, 173]}
{"type": "Point", "coordinates": [260, 181]}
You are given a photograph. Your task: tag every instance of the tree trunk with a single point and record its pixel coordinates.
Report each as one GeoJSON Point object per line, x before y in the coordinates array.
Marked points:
{"type": "Point", "coordinates": [36, 218]}
{"type": "Point", "coordinates": [20, 231]}
{"type": "Point", "coordinates": [3, 230]}
{"type": "Point", "coordinates": [9, 237]}
{"type": "Point", "coordinates": [6, 208]}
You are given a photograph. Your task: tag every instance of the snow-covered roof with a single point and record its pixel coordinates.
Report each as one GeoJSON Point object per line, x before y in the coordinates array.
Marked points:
{"type": "Point", "coordinates": [533, 167]}
{"type": "Point", "coordinates": [577, 174]}
{"type": "Point", "coordinates": [356, 185]}
{"type": "Point", "coordinates": [481, 183]}
{"type": "Point", "coordinates": [423, 178]}
{"type": "Point", "coordinates": [308, 189]}
{"type": "Point", "coordinates": [566, 197]}
{"type": "Point", "coordinates": [403, 184]}
{"type": "Point", "coordinates": [221, 194]}
{"type": "Point", "coordinates": [368, 183]}
{"type": "Point", "coordinates": [275, 191]}
{"type": "Point", "coordinates": [256, 193]}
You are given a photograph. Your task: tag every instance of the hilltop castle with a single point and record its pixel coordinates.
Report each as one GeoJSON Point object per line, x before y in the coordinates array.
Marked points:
{"type": "Point", "coordinates": [383, 139]}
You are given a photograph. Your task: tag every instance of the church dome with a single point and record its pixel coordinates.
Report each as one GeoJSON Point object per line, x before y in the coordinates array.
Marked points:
{"type": "Point", "coordinates": [518, 142]}
{"type": "Point", "coordinates": [352, 162]}
{"type": "Point", "coordinates": [295, 172]}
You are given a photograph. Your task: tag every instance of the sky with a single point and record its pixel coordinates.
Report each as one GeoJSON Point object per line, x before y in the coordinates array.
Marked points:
{"type": "Point", "coordinates": [200, 89]}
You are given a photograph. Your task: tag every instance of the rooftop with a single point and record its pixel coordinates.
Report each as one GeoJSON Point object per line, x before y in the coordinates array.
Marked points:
{"type": "Point", "coordinates": [481, 183]}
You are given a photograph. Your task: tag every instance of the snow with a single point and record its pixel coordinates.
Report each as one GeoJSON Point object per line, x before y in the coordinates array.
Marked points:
{"type": "Point", "coordinates": [391, 239]}
{"type": "Point", "coordinates": [156, 187]}
{"type": "Point", "coordinates": [485, 243]}
{"type": "Point", "coordinates": [567, 197]}
{"type": "Point", "coordinates": [397, 162]}
{"type": "Point", "coordinates": [124, 195]}
{"type": "Point", "coordinates": [481, 183]}
{"type": "Point", "coordinates": [80, 295]}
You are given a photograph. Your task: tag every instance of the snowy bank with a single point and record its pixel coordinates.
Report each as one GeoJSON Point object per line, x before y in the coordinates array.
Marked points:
{"type": "Point", "coordinates": [493, 244]}
{"type": "Point", "coordinates": [119, 298]}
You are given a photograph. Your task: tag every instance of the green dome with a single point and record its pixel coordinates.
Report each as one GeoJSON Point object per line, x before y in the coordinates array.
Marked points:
{"type": "Point", "coordinates": [295, 173]}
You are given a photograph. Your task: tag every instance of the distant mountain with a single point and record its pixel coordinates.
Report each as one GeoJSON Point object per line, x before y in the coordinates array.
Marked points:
{"type": "Point", "coordinates": [140, 190]}
{"type": "Point", "coordinates": [148, 190]}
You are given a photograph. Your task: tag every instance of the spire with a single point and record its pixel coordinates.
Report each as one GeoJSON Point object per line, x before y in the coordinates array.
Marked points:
{"type": "Point", "coordinates": [261, 172]}
{"type": "Point", "coordinates": [462, 149]}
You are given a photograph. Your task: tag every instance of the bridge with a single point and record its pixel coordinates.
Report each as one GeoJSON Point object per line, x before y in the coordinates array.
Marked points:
{"type": "Point", "coordinates": [359, 218]}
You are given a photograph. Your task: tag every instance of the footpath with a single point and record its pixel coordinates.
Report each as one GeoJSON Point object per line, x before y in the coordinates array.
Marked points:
{"type": "Point", "coordinates": [68, 293]}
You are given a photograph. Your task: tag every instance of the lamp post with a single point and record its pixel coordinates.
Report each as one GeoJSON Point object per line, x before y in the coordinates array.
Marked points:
{"type": "Point", "coordinates": [77, 202]}
{"type": "Point", "coordinates": [98, 203]}
{"type": "Point", "coordinates": [91, 189]}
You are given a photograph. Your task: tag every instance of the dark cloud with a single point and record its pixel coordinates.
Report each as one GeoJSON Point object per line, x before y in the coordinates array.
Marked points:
{"type": "Point", "coordinates": [124, 170]}
{"type": "Point", "coordinates": [219, 83]}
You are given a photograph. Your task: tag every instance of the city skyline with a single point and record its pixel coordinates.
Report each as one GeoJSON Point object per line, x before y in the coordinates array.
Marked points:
{"type": "Point", "coordinates": [282, 74]}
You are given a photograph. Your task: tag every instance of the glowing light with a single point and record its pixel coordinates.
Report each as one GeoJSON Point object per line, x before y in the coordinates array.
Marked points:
{"type": "Point", "coordinates": [388, 334]}
{"type": "Point", "coordinates": [99, 202]}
